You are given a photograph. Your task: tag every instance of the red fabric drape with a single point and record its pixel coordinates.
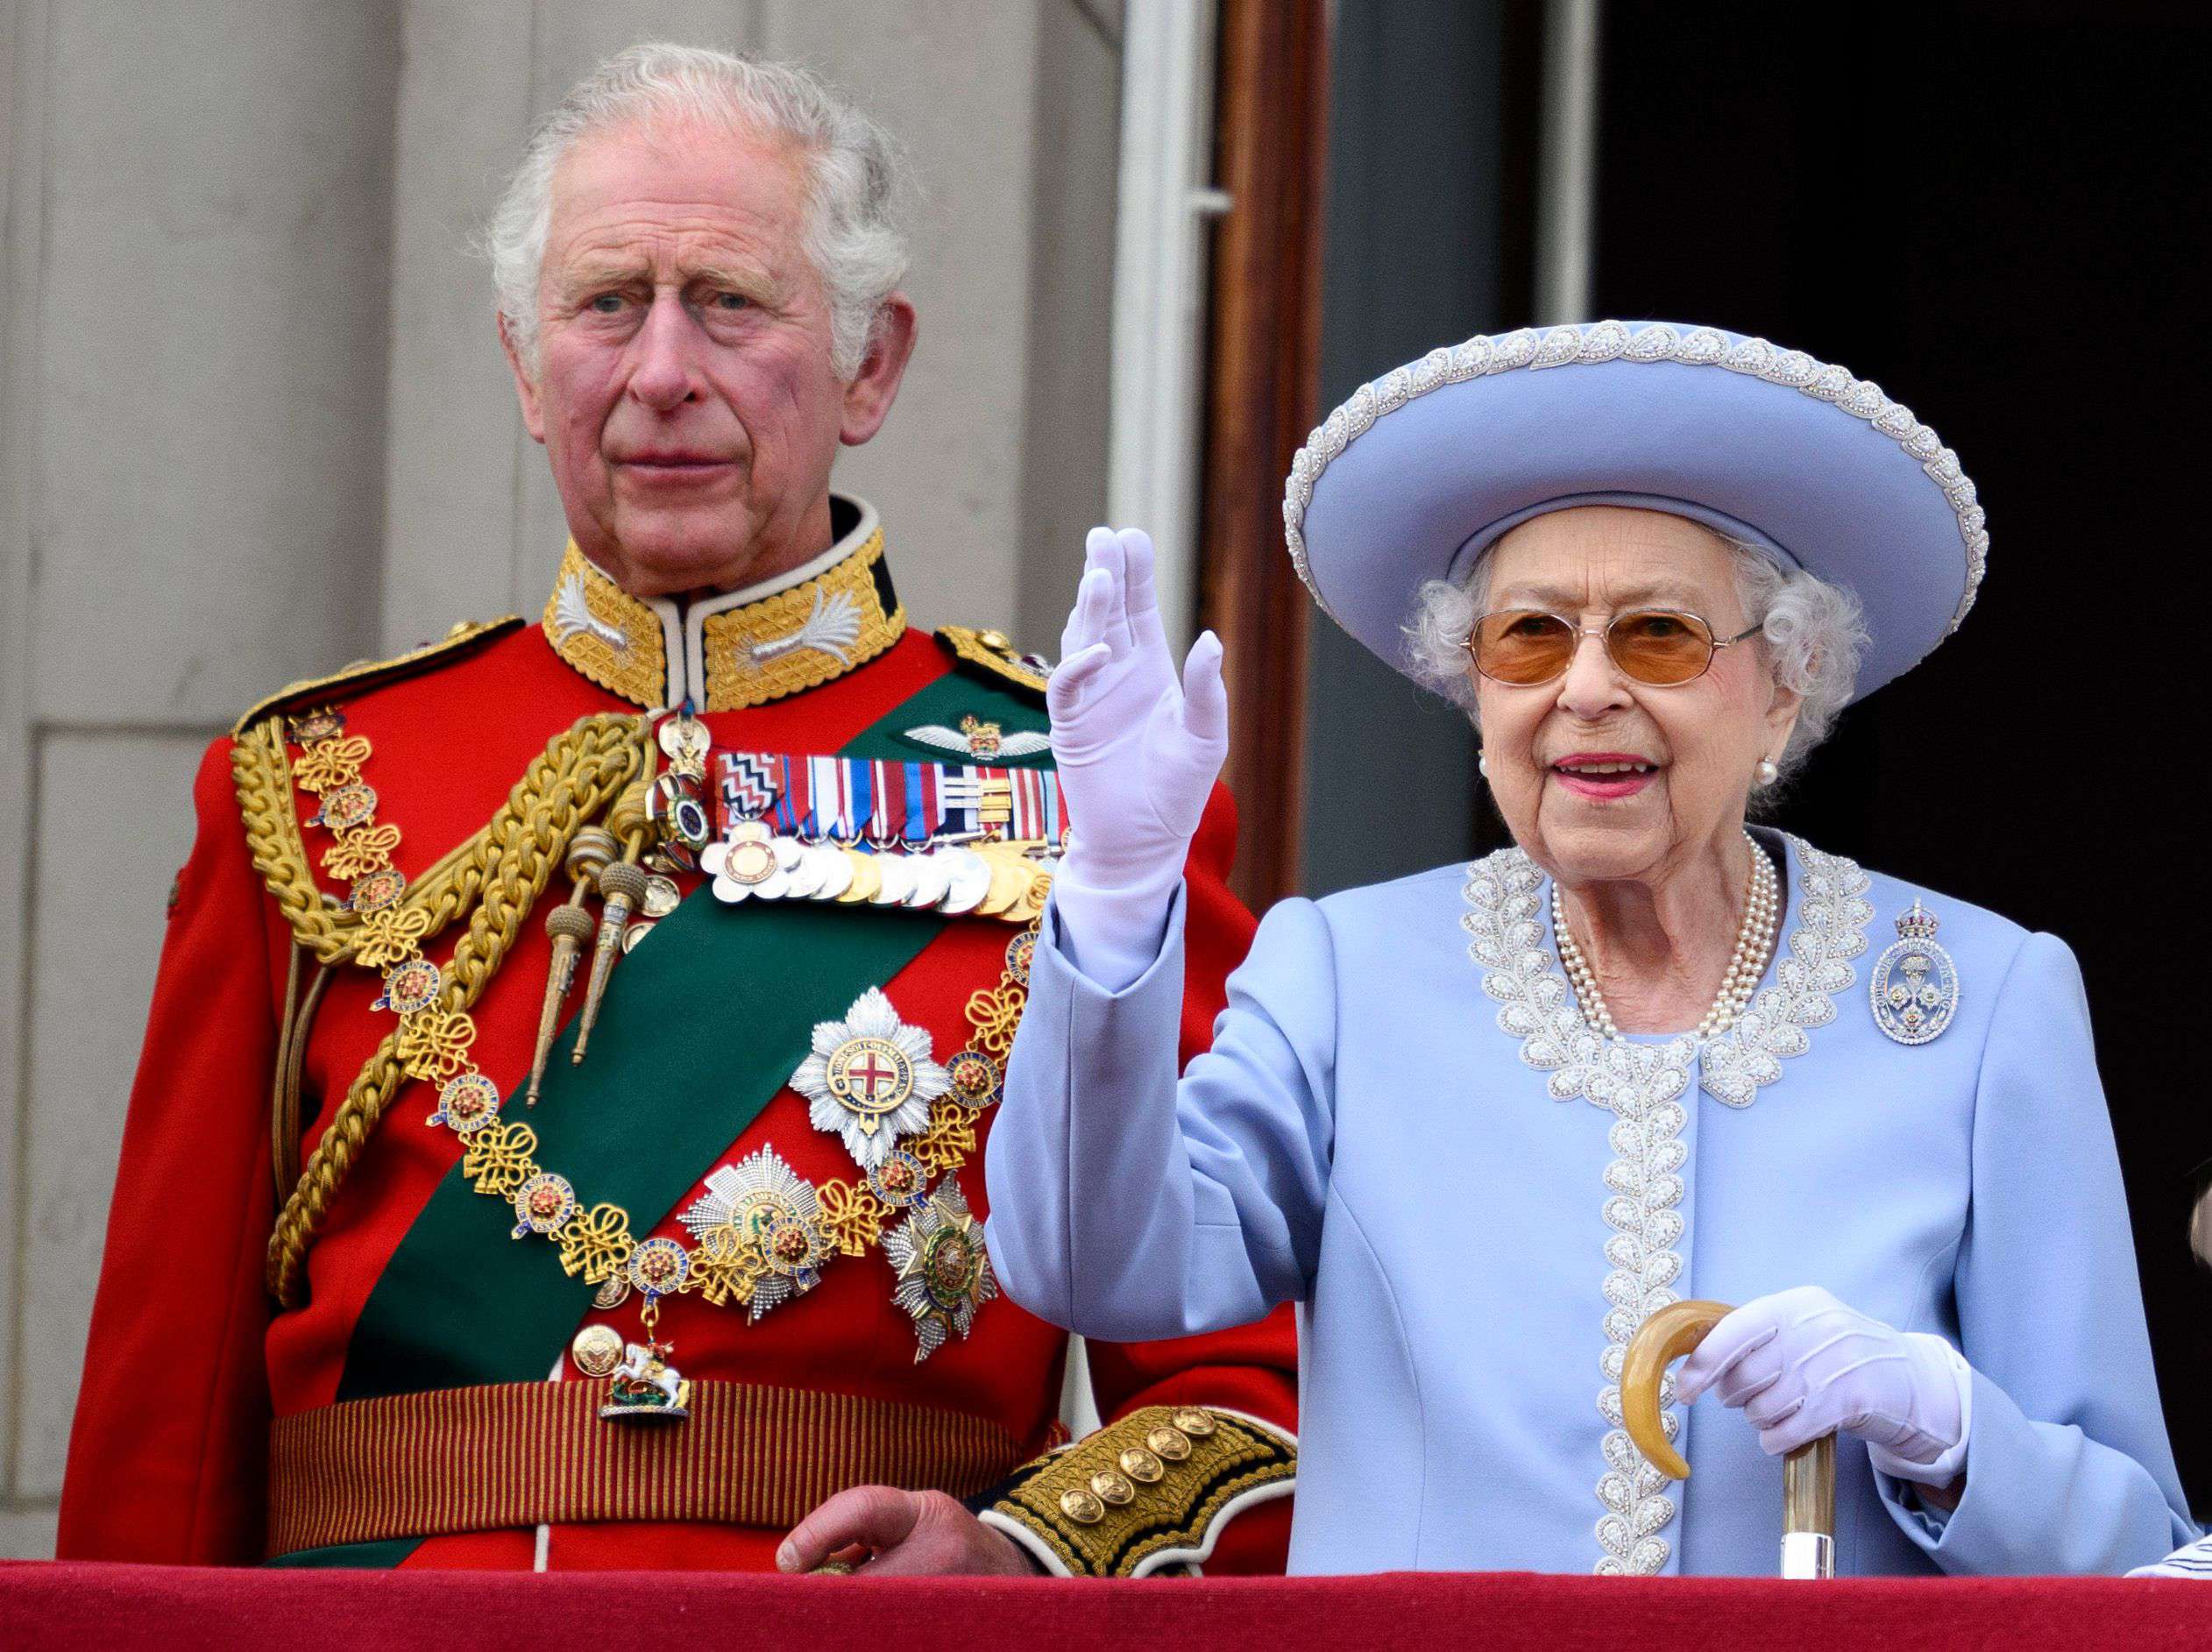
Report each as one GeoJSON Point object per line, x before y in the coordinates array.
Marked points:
{"type": "Point", "coordinates": [177, 1609]}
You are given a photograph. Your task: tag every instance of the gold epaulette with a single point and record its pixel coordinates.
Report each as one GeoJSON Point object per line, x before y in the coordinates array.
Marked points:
{"type": "Point", "coordinates": [367, 673]}
{"type": "Point", "coordinates": [1144, 1493]}
{"type": "Point", "coordinates": [990, 654]}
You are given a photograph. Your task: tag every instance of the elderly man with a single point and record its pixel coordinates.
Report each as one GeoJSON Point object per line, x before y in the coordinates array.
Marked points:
{"type": "Point", "coordinates": [557, 1138]}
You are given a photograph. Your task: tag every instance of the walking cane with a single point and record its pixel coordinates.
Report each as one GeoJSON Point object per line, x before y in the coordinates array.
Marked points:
{"type": "Point", "coordinates": [1808, 1473]}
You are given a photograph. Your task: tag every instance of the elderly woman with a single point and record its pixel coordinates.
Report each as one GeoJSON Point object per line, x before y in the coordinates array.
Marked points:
{"type": "Point", "coordinates": [1481, 1122]}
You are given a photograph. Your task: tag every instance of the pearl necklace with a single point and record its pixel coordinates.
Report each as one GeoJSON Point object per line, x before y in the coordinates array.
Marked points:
{"type": "Point", "coordinates": [1754, 945]}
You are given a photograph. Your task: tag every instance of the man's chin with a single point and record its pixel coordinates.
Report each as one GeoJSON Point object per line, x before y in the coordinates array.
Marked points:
{"type": "Point", "coordinates": [661, 558]}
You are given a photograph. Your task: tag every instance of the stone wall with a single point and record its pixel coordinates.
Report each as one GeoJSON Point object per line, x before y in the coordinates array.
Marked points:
{"type": "Point", "coordinates": [254, 424]}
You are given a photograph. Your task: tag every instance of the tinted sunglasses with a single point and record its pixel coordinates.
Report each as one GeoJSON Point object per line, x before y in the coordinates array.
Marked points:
{"type": "Point", "coordinates": [1523, 647]}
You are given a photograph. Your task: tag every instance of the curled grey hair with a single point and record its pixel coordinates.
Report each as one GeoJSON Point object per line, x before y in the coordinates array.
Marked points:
{"type": "Point", "coordinates": [1814, 632]}
{"type": "Point", "coordinates": [858, 178]}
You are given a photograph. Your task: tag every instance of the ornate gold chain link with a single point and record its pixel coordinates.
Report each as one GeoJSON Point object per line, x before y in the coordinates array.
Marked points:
{"type": "Point", "coordinates": [501, 873]}
{"type": "Point", "coordinates": [383, 926]}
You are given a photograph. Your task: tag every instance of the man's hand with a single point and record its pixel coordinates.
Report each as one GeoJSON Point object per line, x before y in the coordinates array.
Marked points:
{"type": "Point", "coordinates": [900, 1534]}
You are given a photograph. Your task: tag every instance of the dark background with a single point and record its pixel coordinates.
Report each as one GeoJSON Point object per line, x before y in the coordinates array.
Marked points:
{"type": "Point", "coordinates": [1999, 213]}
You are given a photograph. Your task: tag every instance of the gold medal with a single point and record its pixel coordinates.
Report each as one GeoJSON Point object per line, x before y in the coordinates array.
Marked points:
{"type": "Point", "coordinates": [868, 878]}
{"type": "Point", "coordinates": [661, 896]}
{"type": "Point", "coordinates": [1010, 879]}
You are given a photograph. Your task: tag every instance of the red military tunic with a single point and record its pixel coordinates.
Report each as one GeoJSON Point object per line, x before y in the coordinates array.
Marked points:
{"type": "Point", "coordinates": [412, 1285]}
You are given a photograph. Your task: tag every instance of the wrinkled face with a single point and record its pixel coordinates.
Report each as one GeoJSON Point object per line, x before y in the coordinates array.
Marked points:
{"type": "Point", "coordinates": [684, 392]}
{"type": "Point", "coordinates": [1555, 750]}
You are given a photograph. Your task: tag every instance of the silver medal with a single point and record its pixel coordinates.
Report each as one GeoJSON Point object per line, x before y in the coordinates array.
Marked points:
{"type": "Point", "coordinates": [897, 871]}
{"type": "Point", "coordinates": [930, 874]}
{"type": "Point", "coordinates": [831, 872]}
{"type": "Point", "coordinates": [968, 879]}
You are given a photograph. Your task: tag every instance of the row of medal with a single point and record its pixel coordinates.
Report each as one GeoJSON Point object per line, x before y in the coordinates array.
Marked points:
{"type": "Point", "coordinates": [950, 838]}
{"type": "Point", "coordinates": [990, 879]}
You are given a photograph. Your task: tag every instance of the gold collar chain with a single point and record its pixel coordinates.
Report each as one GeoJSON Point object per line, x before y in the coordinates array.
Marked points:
{"type": "Point", "coordinates": [943, 1273]}
{"type": "Point", "coordinates": [737, 649]}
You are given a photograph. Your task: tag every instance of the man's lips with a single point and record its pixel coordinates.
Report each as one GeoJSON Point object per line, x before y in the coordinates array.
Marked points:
{"type": "Point", "coordinates": [675, 469]}
{"type": "Point", "coordinates": [1605, 775]}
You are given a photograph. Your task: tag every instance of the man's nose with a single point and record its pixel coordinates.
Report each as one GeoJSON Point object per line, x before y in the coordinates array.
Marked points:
{"type": "Point", "coordinates": [665, 373]}
{"type": "Point", "coordinates": [1593, 685]}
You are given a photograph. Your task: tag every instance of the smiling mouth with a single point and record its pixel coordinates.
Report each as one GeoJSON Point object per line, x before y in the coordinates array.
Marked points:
{"type": "Point", "coordinates": [1604, 779]}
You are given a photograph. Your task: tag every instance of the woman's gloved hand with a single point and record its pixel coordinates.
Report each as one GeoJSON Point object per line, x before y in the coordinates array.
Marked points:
{"type": "Point", "coordinates": [1138, 752]}
{"type": "Point", "coordinates": [1800, 1364]}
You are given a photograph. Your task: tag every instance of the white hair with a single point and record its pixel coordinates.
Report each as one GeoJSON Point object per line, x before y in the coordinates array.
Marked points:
{"type": "Point", "coordinates": [1815, 634]}
{"type": "Point", "coordinates": [859, 181]}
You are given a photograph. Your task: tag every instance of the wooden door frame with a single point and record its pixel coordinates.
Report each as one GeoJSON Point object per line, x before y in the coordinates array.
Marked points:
{"type": "Point", "coordinates": [1263, 382]}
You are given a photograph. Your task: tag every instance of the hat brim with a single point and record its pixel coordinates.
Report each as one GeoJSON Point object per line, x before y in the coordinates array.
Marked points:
{"type": "Point", "coordinates": [1798, 458]}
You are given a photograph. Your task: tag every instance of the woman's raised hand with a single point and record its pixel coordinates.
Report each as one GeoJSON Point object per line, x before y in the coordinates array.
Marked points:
{"type": "Point", "coordinates": [1138, 750]}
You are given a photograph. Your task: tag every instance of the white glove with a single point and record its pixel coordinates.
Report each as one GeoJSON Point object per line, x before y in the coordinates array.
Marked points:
{"type": "Point", "coordinates": [1138, 754]}
{"type": "Point", "coordinates": [1801, 1364]}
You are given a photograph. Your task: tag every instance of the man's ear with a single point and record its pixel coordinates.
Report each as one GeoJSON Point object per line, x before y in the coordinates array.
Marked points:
{"type": "Point", "coordinates": [890, 345]}
{"type": "Point", "coordinates": [525, 385]}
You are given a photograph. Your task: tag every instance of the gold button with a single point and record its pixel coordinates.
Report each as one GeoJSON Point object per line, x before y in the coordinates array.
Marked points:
{"type": "Point", "coordinates": [996, 641]}
{"type": "Point", "coordinates": [1140, 1464]}
{"type": "Point", "coordinates": [1194, 1422]}
{"type": "Point", "coordinates": [1172, 1444]}
{"type": "Point", "coordinates": [1081, 1507]}
{"type": "Point", "coordinates": [597, 1349]}
{"type": "Point", "coordinates": [1112, 1487]}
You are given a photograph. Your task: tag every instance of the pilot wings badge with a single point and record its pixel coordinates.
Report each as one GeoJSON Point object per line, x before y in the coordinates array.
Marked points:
{"type": "Point", "coordinates": [981, 740]}
{"type": "Point", "coordinates": [1914, 985]}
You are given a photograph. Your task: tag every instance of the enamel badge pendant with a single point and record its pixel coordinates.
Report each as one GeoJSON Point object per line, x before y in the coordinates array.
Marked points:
{"type": "Point", "coordinates": [1915, 986]}
{"type": "Point", "coordinates": [870, 1079]}
{"type": "Point", "coordinates": [645, 1385]}
{"type": "Point", "coordinates": [944, 1273]}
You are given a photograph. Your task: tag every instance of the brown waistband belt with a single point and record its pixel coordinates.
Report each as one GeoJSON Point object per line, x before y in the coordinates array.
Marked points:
{"type": "Point", "coordinates": [528, 1453]}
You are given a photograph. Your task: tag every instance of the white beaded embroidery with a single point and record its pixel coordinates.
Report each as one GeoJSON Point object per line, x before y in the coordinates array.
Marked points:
{"type": "Point", "coordinates": [1614, 341]}
{"type": "Point", "coordinates": [1642, 1086]}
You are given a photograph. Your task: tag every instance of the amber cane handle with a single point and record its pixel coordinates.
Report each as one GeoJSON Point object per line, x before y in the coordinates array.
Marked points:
{"type": "Point", "coordinates": [1808, 1473]}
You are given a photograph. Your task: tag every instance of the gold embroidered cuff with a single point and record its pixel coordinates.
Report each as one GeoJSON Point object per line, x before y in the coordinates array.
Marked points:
{"type": "Point", "coordinates": [1144, 1493]}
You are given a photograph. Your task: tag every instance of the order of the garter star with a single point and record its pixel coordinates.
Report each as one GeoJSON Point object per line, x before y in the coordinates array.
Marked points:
{"type": "Point", "coordinates": [870, 1079]}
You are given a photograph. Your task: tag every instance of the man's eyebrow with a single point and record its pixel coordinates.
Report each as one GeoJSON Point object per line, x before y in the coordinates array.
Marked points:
{"type": "Point", "coordinates": [732, 273]}
{"type": "Point", "coordinates": [595, 270]}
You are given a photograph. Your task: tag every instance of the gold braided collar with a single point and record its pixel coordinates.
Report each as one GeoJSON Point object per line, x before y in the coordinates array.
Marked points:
{"type": "Point", "coordinates": [736, 649]}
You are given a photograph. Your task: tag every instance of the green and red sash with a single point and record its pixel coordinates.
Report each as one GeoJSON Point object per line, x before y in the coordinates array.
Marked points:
{"type": "Point", "coordinates": [456, 1305]}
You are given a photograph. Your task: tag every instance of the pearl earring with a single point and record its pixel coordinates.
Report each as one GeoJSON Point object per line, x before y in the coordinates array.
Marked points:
{"type": "Point", "coordinates": [1768, 773]}
{"type": "Point", "coordinates": [1482, 765]}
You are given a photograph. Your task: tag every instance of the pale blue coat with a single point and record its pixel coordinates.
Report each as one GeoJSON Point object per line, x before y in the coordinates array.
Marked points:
{"type": "Point", "coordinates": [1365, 1139]}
